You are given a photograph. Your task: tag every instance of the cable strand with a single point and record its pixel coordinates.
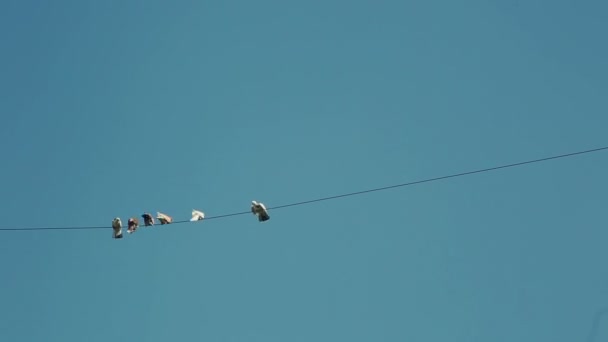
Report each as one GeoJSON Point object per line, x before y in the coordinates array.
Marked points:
{"type": "Point", "coordinates": [342, 195]}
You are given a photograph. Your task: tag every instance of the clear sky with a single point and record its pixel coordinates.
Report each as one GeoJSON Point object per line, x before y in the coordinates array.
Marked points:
{"type": "Point", "coordinates": [113, 108]}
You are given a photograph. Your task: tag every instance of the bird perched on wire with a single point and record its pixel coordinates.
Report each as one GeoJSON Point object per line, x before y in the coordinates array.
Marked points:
{"type": "Point", "coordinates": [117, 228]}
{"type": "Point", "coordinates": [260, 211]}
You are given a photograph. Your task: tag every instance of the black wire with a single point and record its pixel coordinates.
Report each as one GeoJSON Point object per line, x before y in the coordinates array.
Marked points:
{"type": "Point", "coordinates": [343, 195]}
{"type": "Point", "coordinates": [442, 177]}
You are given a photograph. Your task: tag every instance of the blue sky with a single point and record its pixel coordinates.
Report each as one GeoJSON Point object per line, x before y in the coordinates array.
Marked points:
{"type": "Point", "coordinates": [113, 108]}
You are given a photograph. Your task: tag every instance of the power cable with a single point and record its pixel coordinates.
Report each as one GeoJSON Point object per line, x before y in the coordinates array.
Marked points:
{"type": "Point", "coordinates": [342, 195]}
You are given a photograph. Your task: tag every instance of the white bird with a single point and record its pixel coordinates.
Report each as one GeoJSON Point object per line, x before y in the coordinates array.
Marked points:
{"type": "Point", "coordinates": [260, 211]}
{"type": "Point", "coordinates": [163, 218]}
{"type": "Point", "coordinates": [197, 215]}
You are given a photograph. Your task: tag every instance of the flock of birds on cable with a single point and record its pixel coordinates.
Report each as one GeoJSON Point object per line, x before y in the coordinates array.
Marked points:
{"type": "Point", "coordinates": [258, 209]}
